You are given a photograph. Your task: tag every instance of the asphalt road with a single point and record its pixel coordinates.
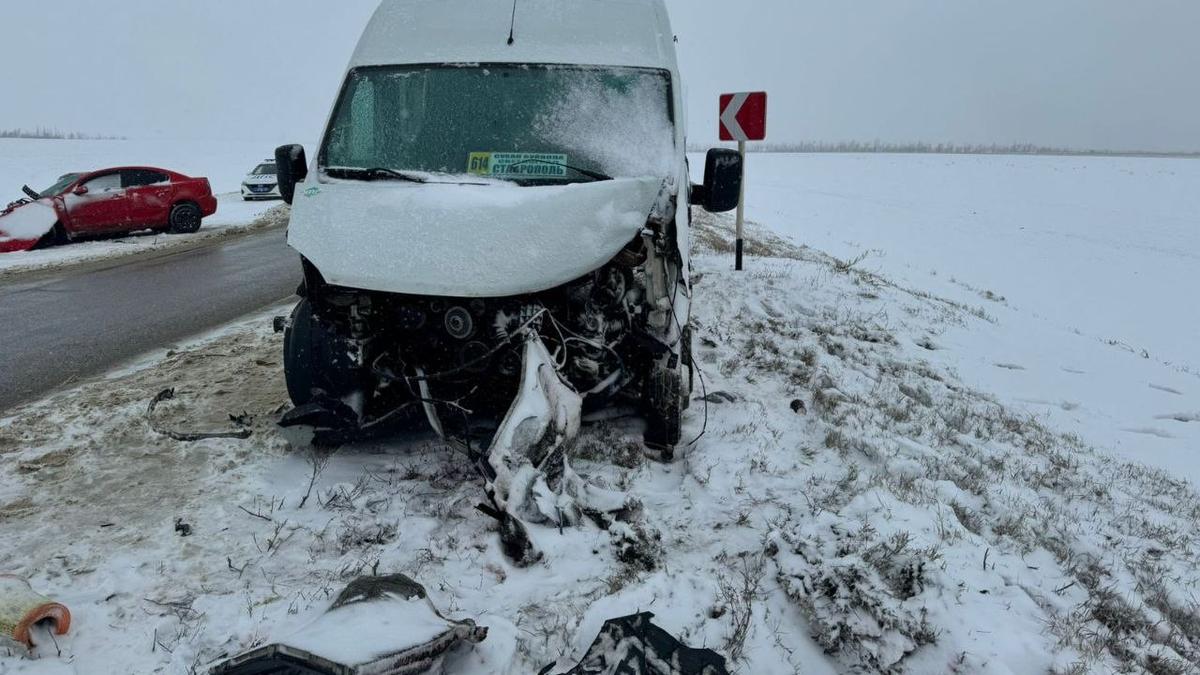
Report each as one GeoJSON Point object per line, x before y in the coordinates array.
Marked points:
{"type": "Point", "coordinates": [61, 326]}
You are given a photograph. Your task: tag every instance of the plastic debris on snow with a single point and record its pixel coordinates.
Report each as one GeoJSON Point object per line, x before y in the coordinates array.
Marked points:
{"type": "Point", "coordinates": [543, 420]}
{"type": "Point", "coordinates": [530, 450]}
{"type": "Point", "coordinates": [632, 645]}
{"type": "Point", "coordinates": [378, 625]}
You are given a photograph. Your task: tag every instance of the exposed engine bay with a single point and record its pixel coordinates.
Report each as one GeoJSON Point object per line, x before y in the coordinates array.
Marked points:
{"type": "Point", "coordinates": [463, 357]}
{"type": "Point", "coordinates": [507, 380]}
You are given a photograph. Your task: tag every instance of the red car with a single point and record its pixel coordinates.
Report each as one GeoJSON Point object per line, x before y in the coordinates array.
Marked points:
{"type": "Point", "coordinates": [106, 202]}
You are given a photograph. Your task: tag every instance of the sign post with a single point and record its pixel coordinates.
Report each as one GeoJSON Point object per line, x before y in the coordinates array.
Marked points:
{"type": "Point", "coordinates": [741, 209]}
{"type": "Point", "coordinates": [743, 118]}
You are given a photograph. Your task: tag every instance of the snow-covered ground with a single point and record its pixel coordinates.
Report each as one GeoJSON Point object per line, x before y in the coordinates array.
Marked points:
{"type": "Point", "coordinates": [895, 470]}
{"type": "Point", "coordinates": [39, 163]}
{"type": "Point", "coordinates": [1090, 268]}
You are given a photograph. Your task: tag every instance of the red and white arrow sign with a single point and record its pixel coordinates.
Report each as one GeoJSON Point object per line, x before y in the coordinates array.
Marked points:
{"type": "Point", "coordinates": [744, 116]}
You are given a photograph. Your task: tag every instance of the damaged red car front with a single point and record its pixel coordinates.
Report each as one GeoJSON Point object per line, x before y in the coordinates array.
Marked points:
{"type": "Point", "coordinates": [106, 202]}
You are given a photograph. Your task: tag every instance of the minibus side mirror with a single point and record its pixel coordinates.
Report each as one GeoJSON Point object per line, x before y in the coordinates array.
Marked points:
{"type": "Point", "coordinates": [722, 189]}
{"type": "Point", "coordinates": [292, 167]}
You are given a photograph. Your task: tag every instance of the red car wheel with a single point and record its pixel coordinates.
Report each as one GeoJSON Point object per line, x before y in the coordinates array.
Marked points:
{"type": "Point", "coordinates": [185, 219]}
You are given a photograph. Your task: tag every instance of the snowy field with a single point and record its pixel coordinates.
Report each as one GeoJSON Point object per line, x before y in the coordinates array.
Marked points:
{"type": "Point", "coordinates": [930, 460]}
{"type": "Point", "coordinates": [1108, 246]}
{"type": "Point", "coordinates": [1090, 268]}
{"type": "Point", "coordinates": [39, 163]}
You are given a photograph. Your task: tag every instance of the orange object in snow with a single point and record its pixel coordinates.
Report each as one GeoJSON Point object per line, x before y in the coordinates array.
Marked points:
{"type": "Point", "coordinates": [21, 609]}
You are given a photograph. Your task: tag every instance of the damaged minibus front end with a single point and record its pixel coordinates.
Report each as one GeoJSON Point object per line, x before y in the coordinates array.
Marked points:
{"type": "Point", "coordinates": [495, 242]}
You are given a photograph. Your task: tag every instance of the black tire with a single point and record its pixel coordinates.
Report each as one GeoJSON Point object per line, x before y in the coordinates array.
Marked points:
{"type": "Point", "coordinates": [57, 236]}
{"type": "Point", "coordinates": [664, 408]}
{"type": "Point", "coordinates": [297, 355]}
{"type": "Point", "coordinates": [185, 218]}
{"type": "Point", "coordinates": [311, 362]}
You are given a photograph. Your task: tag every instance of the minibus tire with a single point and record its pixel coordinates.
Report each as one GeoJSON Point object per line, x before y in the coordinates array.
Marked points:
{"type": "Point", "coordinates": [664, 408]}
{"type": "Point", "coordinates": [309, 365]}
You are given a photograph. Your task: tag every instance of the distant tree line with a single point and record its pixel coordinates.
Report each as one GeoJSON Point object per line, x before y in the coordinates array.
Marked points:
{"type": "Point", "coordinates": [45, 133]}
{"type": "Point", "coordinates": [939, 148]}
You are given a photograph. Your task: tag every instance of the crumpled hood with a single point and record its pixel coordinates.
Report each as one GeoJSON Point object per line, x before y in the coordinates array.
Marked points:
{"type": "Point", "coordinates": [22, 227]}
{"type": "Point", "coordinates": [465, 240]}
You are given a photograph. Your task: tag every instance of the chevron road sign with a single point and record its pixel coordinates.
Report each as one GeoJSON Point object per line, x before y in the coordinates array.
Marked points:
{"type": "Point", "coordinates": [744, 116]}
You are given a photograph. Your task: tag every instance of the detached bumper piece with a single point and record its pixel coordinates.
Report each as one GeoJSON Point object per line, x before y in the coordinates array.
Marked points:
{"type": "Point", "coordinates": [377, 626]}
{"type": "Point", "coordinates": [633, 645]}
{"type": "Point", "coordinates": [22, 610]}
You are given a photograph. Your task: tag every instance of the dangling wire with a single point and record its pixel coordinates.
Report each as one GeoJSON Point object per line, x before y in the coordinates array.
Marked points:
{"type": "Point", "coordinates": [512, 28]}
{"type": "Point", "coordinates": [695, 365]}
{"type": "Point", "coordinates": [704, 392]}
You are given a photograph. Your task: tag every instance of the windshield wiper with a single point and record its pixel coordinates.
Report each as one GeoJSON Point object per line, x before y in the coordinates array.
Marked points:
{"type": "Point", "coordinates": [382, 173]}
{"type": "Point", "coordinates": [31, 192]}
{"type": "Point", "coordinates": [377, 173]}
{"type": "Point", "coordinates": [594, 175]}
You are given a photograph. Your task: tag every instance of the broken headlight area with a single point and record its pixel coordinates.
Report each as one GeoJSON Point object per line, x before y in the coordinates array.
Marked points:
{"type": "Point", "coordinates": [363, 355]}
{"type": "Point", "coordinates": [507, 380]}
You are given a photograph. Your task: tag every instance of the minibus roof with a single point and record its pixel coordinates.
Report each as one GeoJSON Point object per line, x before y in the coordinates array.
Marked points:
{"type": "Point", "coordinates": [633, 33]}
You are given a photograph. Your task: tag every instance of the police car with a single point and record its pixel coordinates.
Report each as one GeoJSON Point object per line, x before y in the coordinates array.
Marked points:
{"type": "Point", "coordinates": [262, 182]}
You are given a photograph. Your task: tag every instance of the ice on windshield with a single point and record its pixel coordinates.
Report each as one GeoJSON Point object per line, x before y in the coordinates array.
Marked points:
{"type": "Point", "coordinates": [619, 124]}
{"type": "Point", "coordinates": [463, 120]}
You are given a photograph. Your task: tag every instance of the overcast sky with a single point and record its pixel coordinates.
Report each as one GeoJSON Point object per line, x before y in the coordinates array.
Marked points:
{"type": "Point", "coordinates": [1116, 74]}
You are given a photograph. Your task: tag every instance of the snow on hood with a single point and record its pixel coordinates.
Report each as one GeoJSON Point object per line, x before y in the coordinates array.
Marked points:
{"type": "Point", "coordinates": [29, 222]}
{"type": "Point", "coordinates": [466, 240]}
